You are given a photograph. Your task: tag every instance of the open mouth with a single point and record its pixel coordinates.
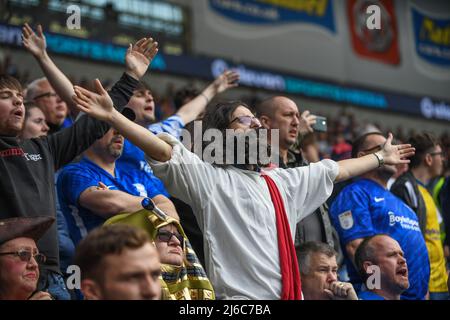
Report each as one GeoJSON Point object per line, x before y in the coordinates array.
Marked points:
{"type": "Point", "coordinates": [18, 113]}
{"type": "Point", "coordinates": [403, 272]}
{"type": "Point", "coordinates": [118, 141]}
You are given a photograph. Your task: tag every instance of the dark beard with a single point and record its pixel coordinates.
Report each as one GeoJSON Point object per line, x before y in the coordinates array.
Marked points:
{"type": "Point", "coordinates": [249, 150]}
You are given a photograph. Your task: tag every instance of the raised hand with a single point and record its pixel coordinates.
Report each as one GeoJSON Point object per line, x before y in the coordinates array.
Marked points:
{"type": "Point", "coordinates": [396, 154]}
{"type": "Point", "coordinates": [228, 79]}
{"type": "Point", "coordinates": [307, 120]}
{"type": "Point", "coordinates": [35, 43]}
{"type": "Point", "coordinates": [139, 56]}
{"type": "Point", "coordinates": [96, 104]}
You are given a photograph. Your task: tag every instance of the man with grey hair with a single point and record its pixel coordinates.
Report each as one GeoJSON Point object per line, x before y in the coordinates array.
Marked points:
{"type": "Point", "coordinates": [381, 258]}
{"type": "Point", "coordinates": [318, 270]}
{"type": "Point", "coordinates": [54, 108]}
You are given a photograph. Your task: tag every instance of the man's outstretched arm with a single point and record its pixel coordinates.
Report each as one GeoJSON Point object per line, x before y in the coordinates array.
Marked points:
{"type": "Point", "coordinates": [100, 106]}
{"type": "Point", "coordinates": [392, 154]}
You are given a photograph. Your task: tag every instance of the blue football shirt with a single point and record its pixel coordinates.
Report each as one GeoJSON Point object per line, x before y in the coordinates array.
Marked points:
{"type": "Point", "coordinates": [364, 208]}
{"type": "Point", "coordinates": [77, 177]}
{"type": "Point", "coordinates": [369, 295]}
{"type": "Point", "coordinates": [133, 158]}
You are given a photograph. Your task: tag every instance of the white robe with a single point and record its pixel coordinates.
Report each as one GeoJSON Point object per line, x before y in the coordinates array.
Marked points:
{"type": "Point", "coordinates": [233, 208]}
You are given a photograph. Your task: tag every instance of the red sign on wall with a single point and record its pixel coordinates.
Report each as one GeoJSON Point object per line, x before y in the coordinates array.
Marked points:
{"type": "Point", "coordinates": [376, 43]}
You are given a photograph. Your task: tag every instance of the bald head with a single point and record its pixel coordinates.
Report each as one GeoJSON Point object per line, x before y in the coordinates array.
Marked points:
{"type": "Point", "coordinates": [282, 114]}
{"type": "Point", "coordinates": [269, 106]}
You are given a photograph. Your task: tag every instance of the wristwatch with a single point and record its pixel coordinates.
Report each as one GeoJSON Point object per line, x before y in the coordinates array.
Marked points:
{"type": "Point", "coordinates": [380, 159]}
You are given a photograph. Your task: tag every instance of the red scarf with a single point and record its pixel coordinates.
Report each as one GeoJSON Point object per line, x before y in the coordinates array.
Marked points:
{"type": "Point", "coordinates": [290, 275]}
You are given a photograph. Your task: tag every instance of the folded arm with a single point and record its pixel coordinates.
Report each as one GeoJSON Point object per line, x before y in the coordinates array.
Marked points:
{"type": "Point", "coordinates": [107, 203]}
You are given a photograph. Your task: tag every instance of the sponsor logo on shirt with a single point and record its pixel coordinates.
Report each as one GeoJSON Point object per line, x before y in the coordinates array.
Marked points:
{"type": "Point", "coordinates": [346, 220]}
{"type": "Point", "coordinates": [378, 199]}
{"type": "Point", "coordinates": [405, 222]}
{"type": "Point", "coordinates": [141, 189]}
{"type": "Point", "coordinates": [32, 157]}
{"type": "Point", "coordinates": [11, 152]}
{"type": "Point", "coordinates": [18, 152]}
{"type": "Point", "coordinates": [145, 167]}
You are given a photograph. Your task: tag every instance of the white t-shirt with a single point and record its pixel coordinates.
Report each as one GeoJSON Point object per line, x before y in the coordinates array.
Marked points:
{"type": "Point", "coordinates": [234, 209]}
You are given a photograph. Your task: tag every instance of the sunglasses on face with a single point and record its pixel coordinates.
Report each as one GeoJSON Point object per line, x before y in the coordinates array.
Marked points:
{"type": "Point", "coordinates": [46, 95]}
{"type": "Point", "coordinates": [165, 236]}
{"type": "Point", "coordinates": [25, 255]}
{"type": "Point", "coordinates": [247, 120]}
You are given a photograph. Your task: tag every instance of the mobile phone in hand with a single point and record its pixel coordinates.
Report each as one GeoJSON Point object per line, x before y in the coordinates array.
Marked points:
{"type": "Point", "coordinates": [321, 124]}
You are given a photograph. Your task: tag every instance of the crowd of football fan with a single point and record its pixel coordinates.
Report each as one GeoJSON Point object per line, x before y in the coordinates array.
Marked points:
{"type": "Point", "coordinates": [102, 197]}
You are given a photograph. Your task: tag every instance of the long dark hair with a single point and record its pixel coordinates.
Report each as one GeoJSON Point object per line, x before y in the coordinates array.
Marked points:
{"type": "Point", "coordinates": [220, 116]}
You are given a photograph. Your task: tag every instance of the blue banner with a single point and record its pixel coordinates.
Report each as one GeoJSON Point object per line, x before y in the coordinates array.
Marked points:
{"type": "Point", "coordinates": [318, 12]}
{"type": "Point", "coordinates": [432, 38]}
{"type": "Point", "coordinates": [253, 77]}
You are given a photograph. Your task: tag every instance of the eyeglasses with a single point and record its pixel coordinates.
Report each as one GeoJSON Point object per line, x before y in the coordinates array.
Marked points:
{"type": "Point", "coordinates": [440, 153]}
{"type": "Point", "coordinates": [46, 95]}
{"type": "Point", "coordinates": [165, 236]}
{"type": "Point", "coordinates": [25, 255]}
{"type": "Point", "coordinates": [247, 120]}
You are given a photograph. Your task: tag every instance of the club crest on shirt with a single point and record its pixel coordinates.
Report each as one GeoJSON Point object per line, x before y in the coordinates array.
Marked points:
{"type": "Point", "coordinates": [346, 220]}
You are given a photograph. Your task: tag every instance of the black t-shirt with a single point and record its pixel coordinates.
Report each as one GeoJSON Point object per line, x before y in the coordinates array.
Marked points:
{"type": "Point", "coordinates": [27, 168]}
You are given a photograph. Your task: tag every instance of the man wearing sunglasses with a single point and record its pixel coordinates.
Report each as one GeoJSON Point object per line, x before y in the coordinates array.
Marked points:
{"type": "Point", "coordinates": [425, 165]}
{"type": "Point", "coordinates": [20, 257]}
{"type": "Point", "coordinates": [366, 208]}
